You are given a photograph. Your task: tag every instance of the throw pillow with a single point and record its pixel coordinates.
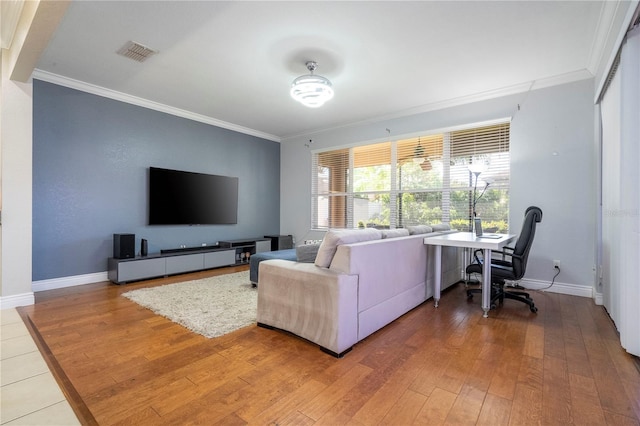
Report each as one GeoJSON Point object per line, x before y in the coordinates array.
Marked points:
{"type": "Point", "coordinates": [307, 253]}
{"type": "Point", "coordinates": [394, 233]}
{"type": "Point", "coordinates": [336, 237]}
{"type": "Point", "coordinates": [419, 229]}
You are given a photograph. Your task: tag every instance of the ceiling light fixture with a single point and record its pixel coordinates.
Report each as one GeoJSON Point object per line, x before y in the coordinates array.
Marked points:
{"type": "Point", "coordinates": [311, 90]}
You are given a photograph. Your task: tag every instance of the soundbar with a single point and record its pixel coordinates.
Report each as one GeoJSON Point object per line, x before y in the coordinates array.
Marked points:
{"type": "Point", "coordinates": [190, 249]}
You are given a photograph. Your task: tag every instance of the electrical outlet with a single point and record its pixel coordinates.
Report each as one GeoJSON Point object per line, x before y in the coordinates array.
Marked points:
{"type": "Point", "coordinates": [556, 264]}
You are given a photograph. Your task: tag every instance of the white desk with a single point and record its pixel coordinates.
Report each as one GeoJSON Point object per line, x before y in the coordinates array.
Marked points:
{"type": "Point", "coordinates": [467, 239]}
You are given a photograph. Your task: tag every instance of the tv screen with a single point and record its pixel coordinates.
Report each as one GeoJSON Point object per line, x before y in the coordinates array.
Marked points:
{"type": "Point", "coordinates": [187, 198]}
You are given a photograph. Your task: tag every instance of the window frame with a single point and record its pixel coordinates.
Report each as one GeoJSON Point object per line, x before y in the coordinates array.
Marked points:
{"type": "Point", "coordinates": [478, 140]}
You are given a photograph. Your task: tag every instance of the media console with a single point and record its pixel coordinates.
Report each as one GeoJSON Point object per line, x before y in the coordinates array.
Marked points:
{"type": "Point", "coordinates": [181, 260]}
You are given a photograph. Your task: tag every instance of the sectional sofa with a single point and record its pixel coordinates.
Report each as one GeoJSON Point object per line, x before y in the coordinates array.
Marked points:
{"type": "Point", "coordinates": [360, 281]}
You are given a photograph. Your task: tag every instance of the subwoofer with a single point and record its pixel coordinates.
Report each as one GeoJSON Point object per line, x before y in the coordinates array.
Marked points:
{"type": "Point", "coordinates": [124, 246]}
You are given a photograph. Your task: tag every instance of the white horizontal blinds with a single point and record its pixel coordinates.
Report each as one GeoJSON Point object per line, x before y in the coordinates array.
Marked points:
{"type": "Point", "coordinates": [420, 162]}
{"type": "Point", "coordinates": [483, 150]}
{"type": "Point", "coordinates": [372, 167]}
{"type": "Point", "coordinates": [330, 189]}
{"type": "Point", "coordinates": [372, 170]}
{"type": "Point", "coordinates": [480, 140]}
{"type": "Point", "coordinates": [485, 146]}
{"type": "Point", "coordinates": [419, 177]}
{"type": "Point", "coordinates": [424, 181]}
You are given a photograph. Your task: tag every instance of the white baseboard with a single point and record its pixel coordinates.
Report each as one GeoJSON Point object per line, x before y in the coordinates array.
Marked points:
{"type": "Point", "coordinates": [13, 301]}
{"type": "Point", "coordinates": [63, 282]}
{"type": "Point", "coordinates": [557, 287]}
{"type": "Point", "coordinates": [598, 298]}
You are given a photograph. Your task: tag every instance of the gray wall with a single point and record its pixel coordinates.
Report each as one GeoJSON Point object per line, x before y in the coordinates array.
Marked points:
{"type": "Point", "coordinates": [91, 157]}
{"type": "Point", "coordinates": [554, 120]}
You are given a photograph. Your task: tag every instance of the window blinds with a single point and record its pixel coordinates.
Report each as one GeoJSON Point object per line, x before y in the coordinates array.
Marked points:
{"type": "Point", "coordinates": [330, 188]}
{"type": "Point", "coordinates": [404, 182]}
{"type": "Point", "coordinates": [480, 140]}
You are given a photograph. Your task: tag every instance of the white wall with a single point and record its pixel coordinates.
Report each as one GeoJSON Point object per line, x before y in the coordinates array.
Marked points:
{"type": "Point", "coordinates": [15, 167]}
{"type": "Point", "coordinates": [554, 166]}
{"type": "Point", "coordinates": [555, 120]}
{"type": "Point", "coordinates": [37, 23]}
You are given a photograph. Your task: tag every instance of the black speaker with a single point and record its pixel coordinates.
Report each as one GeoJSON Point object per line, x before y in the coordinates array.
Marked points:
{"type": "Point", "coordinates": [144, 247]}
{"type": "Point", "coordinates": [280, 242]}
{"type": "Point", "coordinates": [124, 246]}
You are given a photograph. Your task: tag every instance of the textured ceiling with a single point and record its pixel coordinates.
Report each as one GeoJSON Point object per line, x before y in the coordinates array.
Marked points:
{"type": "Point", "coordinates": [234, 61]}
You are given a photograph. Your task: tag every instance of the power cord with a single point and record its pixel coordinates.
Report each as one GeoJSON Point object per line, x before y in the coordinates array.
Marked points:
{"type": "Point", "coordinates": [553, 280]}
{"type": "Point", "coordinates": [517, 286]}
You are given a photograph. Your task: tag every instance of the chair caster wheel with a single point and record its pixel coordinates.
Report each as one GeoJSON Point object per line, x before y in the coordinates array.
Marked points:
{"type": "Point", "coordinates": [469, 296]}
{"type": "Point", "coordinates": [533, 309]}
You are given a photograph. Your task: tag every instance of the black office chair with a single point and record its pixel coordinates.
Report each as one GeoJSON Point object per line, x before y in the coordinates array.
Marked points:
{"type": "Point", "coordinates": [510, 264]}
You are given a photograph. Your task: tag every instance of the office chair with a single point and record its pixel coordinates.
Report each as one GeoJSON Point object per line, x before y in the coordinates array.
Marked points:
{"type": "Point", "coordinates": [510, 264]}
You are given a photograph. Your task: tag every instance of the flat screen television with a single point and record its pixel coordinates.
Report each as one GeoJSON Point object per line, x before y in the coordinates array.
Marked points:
{"type": "Point", "coordinates": [187, 198]}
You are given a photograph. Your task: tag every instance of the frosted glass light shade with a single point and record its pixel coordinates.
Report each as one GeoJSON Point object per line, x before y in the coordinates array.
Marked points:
{"type": "Point", "coordinates": [311, 90]}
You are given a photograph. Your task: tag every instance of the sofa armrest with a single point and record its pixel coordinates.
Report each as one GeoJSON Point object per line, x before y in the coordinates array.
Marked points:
{"type": "Point", "coordinates": [315, 303]}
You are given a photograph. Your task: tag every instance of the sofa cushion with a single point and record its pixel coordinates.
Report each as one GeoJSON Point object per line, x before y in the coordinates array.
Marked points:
{"type": "Point", "coordinates": [307, 253]}
{"type": "Point", "coordinates": [394, 233]}
{"type": "Point", "coordinates": [336, 237]}
{"type": "Point", "coordinates": [419, 229]}
{"type": "Point", "coordinates": [441, 227]}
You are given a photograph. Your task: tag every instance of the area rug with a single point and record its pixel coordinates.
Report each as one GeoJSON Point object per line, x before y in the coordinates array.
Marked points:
{"type": "Point", "coordinates": [211, 306]}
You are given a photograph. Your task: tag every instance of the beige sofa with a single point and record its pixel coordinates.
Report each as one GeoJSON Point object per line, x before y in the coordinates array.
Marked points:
{"type": "Point", "coordinates": [358, 284]}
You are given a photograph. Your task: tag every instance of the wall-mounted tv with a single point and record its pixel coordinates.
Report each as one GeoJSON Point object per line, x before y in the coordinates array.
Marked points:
{"type": "Point", "coordinates": [187, 198]}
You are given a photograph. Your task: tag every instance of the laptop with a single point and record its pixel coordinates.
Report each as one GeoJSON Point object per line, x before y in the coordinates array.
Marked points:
{"type": "Point", "coordinates": [479, 233]}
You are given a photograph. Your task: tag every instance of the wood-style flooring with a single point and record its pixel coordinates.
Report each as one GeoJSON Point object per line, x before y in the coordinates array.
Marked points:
{"type": "Point", "coordinates": [119, 363]}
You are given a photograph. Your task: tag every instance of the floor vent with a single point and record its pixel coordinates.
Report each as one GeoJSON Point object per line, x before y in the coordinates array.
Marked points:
{"type": "Point", "coordinates": [136, 51]}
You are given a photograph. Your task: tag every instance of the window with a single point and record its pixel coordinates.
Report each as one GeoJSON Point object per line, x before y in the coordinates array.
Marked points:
{"type": "Point", "coordinates": [421, 180]}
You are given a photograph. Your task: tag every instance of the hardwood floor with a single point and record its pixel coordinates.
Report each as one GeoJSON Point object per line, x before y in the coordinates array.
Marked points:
{"type": "Point", "coordinates": [119, 363]}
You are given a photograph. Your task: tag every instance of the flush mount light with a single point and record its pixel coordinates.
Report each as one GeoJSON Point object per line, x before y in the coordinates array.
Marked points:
{"type": "Point", "coordinates": [311, 90]}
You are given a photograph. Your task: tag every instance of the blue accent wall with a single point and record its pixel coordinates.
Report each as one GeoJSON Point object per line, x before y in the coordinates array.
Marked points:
{"type": "Point", "coordinates": [91, 159]}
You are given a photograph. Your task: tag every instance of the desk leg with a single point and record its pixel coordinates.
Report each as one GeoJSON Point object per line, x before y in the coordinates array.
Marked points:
{"type": "Point", "coordinates": [438, 269]}
{"type": "Point", "coordinates": [486, 283]}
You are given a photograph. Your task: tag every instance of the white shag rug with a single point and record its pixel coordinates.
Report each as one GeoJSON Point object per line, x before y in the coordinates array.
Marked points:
{"type": "Point", "coordinates": [211, 306]}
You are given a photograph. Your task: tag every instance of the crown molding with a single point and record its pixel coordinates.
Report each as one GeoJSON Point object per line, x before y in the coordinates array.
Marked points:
{"type": "Point", "coordinates": [605, 29]}
{"type": "Point", "coordinates": [71, 83]}
{"type": "Point", "coordinates": [622, 31]}
{"type": "Point", "coordinates": [583, 74]}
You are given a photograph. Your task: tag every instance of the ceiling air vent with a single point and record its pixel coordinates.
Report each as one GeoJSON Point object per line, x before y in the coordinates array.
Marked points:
{"type": "Point", "coordinates": [136, 51]}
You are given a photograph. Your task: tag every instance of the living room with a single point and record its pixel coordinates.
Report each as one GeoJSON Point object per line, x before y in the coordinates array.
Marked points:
{"type": "Point", "coordinates": [75, 165]}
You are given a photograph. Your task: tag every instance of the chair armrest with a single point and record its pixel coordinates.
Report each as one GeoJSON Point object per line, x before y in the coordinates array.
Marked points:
{"type": "Point", "coordinates": [505, 252]}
